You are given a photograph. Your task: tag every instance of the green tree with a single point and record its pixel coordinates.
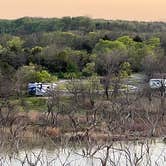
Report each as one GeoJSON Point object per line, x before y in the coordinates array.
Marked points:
{"type": "Point", "coordinates": [105, 46]}
{"type": "Point", "coordinates": [125, 70]}
{"type": "Point", "coordinates": [89, 69]}
{"type": "Point", "coordinates": [126, 40]}
{"type": "Point", "coordinates": [15, 44]}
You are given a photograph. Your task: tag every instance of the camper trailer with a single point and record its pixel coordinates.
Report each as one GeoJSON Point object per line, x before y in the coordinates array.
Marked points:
{"type": "Point", "coordinates": [40, 89]}
{"type": "Point", "coordinates": [157, 83]}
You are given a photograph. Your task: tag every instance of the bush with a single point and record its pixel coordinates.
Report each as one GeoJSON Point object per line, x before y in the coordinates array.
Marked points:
{"type": "Point", "coordinates": [89, 70]}
{"type": "Point", "coordinates": [72, 75]}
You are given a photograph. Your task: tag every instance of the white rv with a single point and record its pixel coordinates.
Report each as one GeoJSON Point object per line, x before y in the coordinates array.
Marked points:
{"type": "Point", "coordinates": [40, 89]}
{"type": "Point", "coordinates": [157, 83]}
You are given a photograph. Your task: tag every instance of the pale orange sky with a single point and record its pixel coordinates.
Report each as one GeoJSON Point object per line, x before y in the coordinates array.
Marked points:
{"type": "Point", "coordinates": [148, 10]}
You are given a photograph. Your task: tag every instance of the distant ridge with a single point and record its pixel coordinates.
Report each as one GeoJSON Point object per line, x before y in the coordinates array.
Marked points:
{"type": "Point", "coordinates": [29, 25]}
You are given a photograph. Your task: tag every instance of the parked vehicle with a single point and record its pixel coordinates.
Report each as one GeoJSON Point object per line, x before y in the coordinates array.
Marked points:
{"type": "Point", "coordinates": [40, 89]}
{"type": "Point", "coordinates": [157, 83]}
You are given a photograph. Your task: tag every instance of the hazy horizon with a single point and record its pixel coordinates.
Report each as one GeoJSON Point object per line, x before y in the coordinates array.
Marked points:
{"type": "Point", "coordinates": [140, 10]}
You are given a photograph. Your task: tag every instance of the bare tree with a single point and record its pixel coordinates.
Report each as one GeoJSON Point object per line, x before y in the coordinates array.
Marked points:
{"type": "Point", "coordinates": [111, 65]}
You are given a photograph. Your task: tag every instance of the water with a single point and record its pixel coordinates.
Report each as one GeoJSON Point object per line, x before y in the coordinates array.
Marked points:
{"type": "Point", "coordinates": [150, 153]}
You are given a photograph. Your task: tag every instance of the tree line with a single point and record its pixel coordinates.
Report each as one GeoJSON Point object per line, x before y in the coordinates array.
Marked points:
{"type": "Point", "coordinates": [44, 49]}
{"type": "Point", "coordinates": [28, 25]}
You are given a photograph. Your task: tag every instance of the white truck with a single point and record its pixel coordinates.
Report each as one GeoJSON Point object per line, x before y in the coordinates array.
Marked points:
{"type": "Point", "coordinates": [40, 89]}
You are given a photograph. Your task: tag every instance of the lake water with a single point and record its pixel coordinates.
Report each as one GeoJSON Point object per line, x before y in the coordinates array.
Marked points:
{"type": "Point", "coordinates": [142, 153]}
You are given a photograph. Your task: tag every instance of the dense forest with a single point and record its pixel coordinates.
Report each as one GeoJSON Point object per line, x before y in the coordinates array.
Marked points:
{"type": "Point", "coordinates": [43, 49]}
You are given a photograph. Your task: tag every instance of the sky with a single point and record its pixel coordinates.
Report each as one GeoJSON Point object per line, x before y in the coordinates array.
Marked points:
{"type": "Point", "coordinates": [142, 10]}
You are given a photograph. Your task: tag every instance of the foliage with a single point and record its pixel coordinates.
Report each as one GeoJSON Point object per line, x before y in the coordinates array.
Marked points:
{"type": "Point", "coordinates": [74, 47]}
{"type": "Point", "coordinates": [89, 69]}
{"type": "Point", "coordinates": [105, 46]}
{"type": "Point", "coordinates": [125, 69]}
{"type": "Point", "coordinates": [30, 74]}
{"type": "Point", "coordinates": [15, 44]}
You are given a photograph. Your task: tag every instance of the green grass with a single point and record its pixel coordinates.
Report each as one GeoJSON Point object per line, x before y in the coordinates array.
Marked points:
{"type": "Point", "coordinates": [35, 103]}
{"type": "Point", "coordinates": [30, 103]}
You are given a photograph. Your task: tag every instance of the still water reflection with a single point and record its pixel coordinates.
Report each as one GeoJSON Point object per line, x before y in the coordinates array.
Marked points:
{"type": "Point", "coordinates": [147, 152]}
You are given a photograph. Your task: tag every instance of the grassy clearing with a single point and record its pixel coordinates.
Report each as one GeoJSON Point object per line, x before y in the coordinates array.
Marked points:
{"type": "Point", "coordinates": [36, 103]}
{"type": "Point", "coordinates": [29, 103]}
